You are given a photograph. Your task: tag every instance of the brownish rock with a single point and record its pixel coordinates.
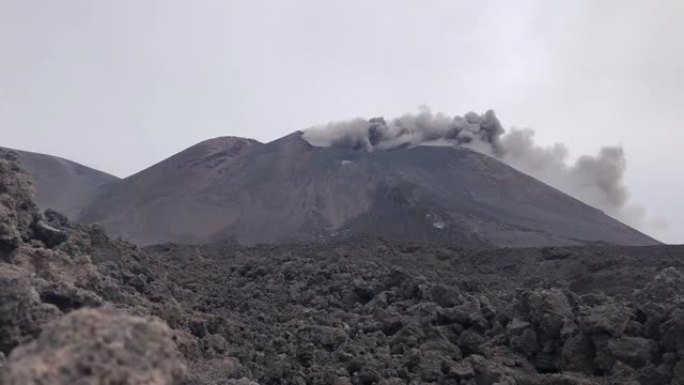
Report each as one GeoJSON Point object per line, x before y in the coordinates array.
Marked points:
{"type": "Point", "coordinates": [97, 347]}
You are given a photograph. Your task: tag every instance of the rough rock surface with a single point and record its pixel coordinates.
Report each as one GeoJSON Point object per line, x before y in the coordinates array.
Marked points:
{"type": "Point", "coordinates": [16, 205]}
{"type": "Point", "coordinates": [91, 346]}
{"type": "Point", "coordinates": [388, 313]}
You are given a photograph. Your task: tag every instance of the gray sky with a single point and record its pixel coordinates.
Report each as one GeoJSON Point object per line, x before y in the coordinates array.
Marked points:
{"type": "Point", "coordinates": [119, 85]}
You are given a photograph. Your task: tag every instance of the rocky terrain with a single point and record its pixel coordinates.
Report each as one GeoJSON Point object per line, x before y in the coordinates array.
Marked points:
{"type": "Point", "coordinates": [77, 307]}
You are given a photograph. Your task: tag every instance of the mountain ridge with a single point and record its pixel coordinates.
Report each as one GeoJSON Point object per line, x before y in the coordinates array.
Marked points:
{"type": "Point", "coordinates": [62, 184]}
{"type": "Point", "coordinates": [289, 190]}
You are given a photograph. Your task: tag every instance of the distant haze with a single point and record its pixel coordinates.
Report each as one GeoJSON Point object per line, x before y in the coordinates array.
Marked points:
{"type": "Point", "coordinates": [121, 85]}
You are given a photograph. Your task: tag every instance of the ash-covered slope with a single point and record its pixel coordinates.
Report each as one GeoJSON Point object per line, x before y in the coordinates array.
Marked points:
{"type": "Point", "coordinates": [168, 202]}
{"type": "Point", "coordinates": [61, 184]}
{"type": "Point", "coordinates": [289, 190]}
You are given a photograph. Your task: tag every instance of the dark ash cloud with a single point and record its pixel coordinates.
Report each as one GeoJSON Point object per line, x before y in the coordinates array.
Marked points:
{"type": "Point", "coordinates": [596, 180]}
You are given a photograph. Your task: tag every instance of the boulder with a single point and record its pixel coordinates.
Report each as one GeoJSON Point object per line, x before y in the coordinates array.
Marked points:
{"type": "Point", "coordinates": [672, 332]}
{"type": "Point", "coordinates": [470, 340]}
{"type": "Point", "coordinates": [577, 355]}
{"type": "Point", "coordinates": [666, 286]}
{"type": "Point", "coordinates": [17, 210]}
{"type": "Point", "coordinates": [50, 236]}
{"type": "Point", "coordinates": [609, 319]}
{"type": "Point", "coordinates": [633, 351]}
{"type": "Point", "coordinates": [18, 305]}
{"type": "Point", "coordinates": [97, 346]}
{"type": "Point", "coordinates": [547, 309]}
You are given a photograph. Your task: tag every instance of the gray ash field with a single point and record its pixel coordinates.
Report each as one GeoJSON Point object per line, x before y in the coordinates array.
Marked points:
{"type": "Point", "coordinates": [77, 307]}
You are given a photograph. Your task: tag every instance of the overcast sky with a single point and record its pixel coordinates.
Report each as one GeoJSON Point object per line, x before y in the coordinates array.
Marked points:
{"type": "Point", "coordinates": [119, 85]}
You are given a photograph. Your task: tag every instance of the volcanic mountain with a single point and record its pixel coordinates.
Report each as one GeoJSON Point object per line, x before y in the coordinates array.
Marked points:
{"type": "Point", "coordinates": [289, 190]}
{"type": "Point", "coordinates": [63, 185]}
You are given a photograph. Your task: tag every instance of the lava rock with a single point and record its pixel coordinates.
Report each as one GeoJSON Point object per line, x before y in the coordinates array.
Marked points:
{"type": "Point", "coordinates": [470, 340]}
{"type": "Point", "coordinates": [19, 303]}
{"type": "Point", "coordinates": [611, 319]}
{"type": "Point", "coordinates": [97, 346]}
{"type": "Point", "coordinates": [634, 351]}
{"type": "Point", "coordinates": [577, 355]}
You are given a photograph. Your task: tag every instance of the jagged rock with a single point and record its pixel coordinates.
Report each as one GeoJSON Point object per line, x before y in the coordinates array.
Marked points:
{"type": "Point", "coordinates": [241, 381]}
{"type": "Point", "coordinates": [468, 313]}
{"type": "Point", "coordinates": [18, 306]}
{"type": "Point", "coordinates": [611, 319]}
{"type": "Point", "coordinates": [678, 373]}
{"type": "Point", "coordinates": [341, 380]}
{"type": "Point", "coordinates": [198, 327]}
{"type": "Point", "coordinates": [430, 366]}
{"type": "Point", "coordinates": [517, 326]}
{"type": "Point", "coordinates": [213, 371]}
{"type": "Point", "coordinates": [49, 235]}
{"type": "Point", "coordinates": [214, 345]}
{"type": "Point", "coordinates": [328, 337]}
{"type": "Point", "coordinates": [67, 297]}
{"type": "Point", "coordinates": [672, 332]}
{"type": "Point", "coordinates": [622, 374]}
{"type": "Point", "coordinates": [556, 379]}
{"type": "Point", "coordinates": [408, 337]}
{"type": "Point", "coordinates": [526, 342]}
{"type": "Point", "coordinates": [491, 372]}
{"type": "Point", "coordinates": [17, 210]}
{"type": "Point", "coordinates": [443, 296]}
{"type": "Point", "coordinates": [470, 340]}
{"type": "Point", "coordinates": [577, 355]}
{"type": "Point", "coordinates": [461, 370]}
{"type": "Point", "coordinates": [100, 346]}
{"type": "Point", "coordinates": [666, 286]}
{"type": "Point", "coordinates": [547, 309]}
{"type": "Point", "coordinates": [651, 375]}
{"type": "Point", "coordinates": [634, 351]}
{"type": "Point", "coordinates": [9, 234]}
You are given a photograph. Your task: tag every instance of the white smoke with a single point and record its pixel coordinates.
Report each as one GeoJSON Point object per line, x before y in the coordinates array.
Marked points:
{"type": "Point", "coordinates": [596, 180]}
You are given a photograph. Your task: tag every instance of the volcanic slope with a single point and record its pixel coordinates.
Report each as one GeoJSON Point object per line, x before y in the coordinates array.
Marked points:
{"type": "Point", "coordinates": [288, 190]}
{"type": "Point", "coordinates": [63, 185]}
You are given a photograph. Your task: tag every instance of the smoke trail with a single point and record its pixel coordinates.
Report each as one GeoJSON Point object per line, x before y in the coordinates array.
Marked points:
{"type": "Point", "coordinates": [596, 180]}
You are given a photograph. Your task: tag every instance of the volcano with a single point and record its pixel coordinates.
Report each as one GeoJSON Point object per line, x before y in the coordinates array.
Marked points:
{"type": "Point", "coordinates": [291, 191]}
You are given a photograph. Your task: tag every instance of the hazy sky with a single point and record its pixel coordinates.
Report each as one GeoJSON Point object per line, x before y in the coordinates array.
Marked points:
{"type": "Point", "coordinates": [119, 85]}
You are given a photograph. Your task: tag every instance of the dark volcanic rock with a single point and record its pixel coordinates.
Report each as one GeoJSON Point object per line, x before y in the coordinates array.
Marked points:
{"type": "Point", "coordinates": [611, 319]}
{"type": "Point", "coordinates": [18, 306]}
{"type": "Point", "coordinates": [17, 209]}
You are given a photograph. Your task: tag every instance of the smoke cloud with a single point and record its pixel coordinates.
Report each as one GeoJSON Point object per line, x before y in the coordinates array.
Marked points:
{"type": "Point", "coordinates": [596, 180]}
{"type": "Point", "coordinates": [424, 128]}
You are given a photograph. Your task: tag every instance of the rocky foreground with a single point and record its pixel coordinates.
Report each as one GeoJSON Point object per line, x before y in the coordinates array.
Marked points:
{"type": "Point", "coordinates": [77, 307]}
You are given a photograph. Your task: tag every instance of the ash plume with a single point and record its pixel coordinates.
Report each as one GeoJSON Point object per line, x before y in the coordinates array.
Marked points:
{"type": "Point", "coordinates": [596, 180]}
{"type": "Point", "coordinates": [424, 128]}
